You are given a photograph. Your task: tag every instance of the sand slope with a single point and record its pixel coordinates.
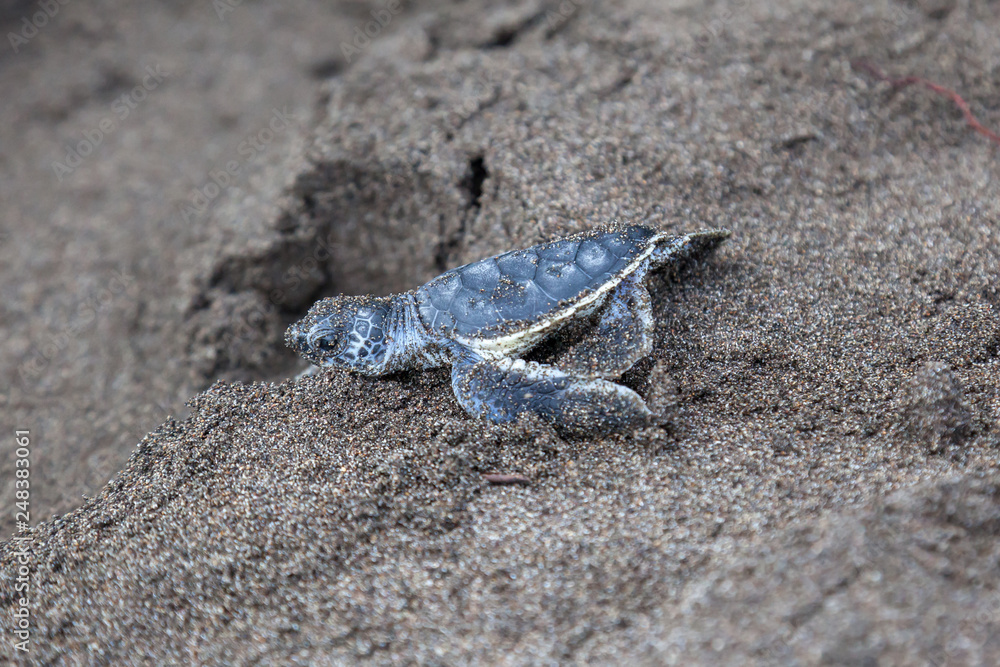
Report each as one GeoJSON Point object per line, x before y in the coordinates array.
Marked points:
{"type": "Point", "coordinates": [822, 485]}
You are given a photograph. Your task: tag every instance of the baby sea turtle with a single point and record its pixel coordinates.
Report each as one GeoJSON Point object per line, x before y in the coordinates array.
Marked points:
{"type": "Point", "coordinates": [482, 317]}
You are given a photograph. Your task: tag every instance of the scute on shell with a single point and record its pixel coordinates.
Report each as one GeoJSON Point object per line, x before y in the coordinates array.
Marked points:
{"type": "Point", "coordinates": [498, 296]}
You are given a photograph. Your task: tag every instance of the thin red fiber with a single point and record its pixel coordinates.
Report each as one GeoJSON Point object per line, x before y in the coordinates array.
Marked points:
{"type": "Point", "coordinates": [898, 84]}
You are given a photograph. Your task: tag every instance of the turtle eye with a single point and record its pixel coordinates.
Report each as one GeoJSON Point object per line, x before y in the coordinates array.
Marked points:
{"type": "Point", "coordinates": [330, 341]}
{"type": "Point", "coordinates": [326, 345]}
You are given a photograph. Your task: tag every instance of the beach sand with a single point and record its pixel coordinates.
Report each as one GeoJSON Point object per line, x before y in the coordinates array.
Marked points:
{"type": "Point", "coordinates": [820, 485]}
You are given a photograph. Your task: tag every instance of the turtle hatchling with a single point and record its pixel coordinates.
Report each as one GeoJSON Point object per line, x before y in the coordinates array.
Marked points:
{"type": "Point", "coordinates": [483, 317]}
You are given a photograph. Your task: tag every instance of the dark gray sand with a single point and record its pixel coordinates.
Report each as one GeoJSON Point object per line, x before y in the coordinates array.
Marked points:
{"type": "Point", "coordinates": [821, 486]}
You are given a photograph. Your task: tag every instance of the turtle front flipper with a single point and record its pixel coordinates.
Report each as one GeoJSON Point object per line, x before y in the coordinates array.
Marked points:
{"type": "Point", "coordinates": [503, 389]}
{"type": "Point", "coordinates": [679, 249]}
{"type": "Point", "coordinates": [623, 335]}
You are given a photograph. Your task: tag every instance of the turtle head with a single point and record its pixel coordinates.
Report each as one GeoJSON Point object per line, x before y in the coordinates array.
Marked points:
{"type": "Point", "coordinates": [350, 332]}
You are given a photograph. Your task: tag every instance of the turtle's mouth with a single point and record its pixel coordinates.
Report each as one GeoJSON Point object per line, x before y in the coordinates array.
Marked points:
{"type": "Point", "coordinates": [311, 344]}
{"type": "Point", "coordinates": [297, 339]}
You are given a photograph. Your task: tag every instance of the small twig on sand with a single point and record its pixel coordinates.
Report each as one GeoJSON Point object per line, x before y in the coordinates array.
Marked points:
{"type": "Point", "coordinates": [898, 84]}
{"type": "Point", "coordinates": [501, 478]}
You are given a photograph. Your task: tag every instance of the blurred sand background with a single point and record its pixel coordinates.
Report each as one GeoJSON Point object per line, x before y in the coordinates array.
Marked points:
{"type": "Point", "coordinates": [822, 485]}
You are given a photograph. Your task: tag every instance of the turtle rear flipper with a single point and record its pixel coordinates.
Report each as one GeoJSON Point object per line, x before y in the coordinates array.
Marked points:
{"type": "Point", "coordinates": [678, 249]}
{"type": "Point", "coordinates": [623, 335]}
{"type": "Point", "coordinates": [503, 389]}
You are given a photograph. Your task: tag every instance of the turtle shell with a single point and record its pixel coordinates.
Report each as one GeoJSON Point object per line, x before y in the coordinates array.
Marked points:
{"type": "Point", "coordinates": [508, 302]}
